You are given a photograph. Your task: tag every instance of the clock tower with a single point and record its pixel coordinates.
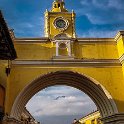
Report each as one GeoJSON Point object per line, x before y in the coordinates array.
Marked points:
{"type": "Point", "coordinates": [60, 29]}
{"type": "Point", "coordinates": [59, 21]}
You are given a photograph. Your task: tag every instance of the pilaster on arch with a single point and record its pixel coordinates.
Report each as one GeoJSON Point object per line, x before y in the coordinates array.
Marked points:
{"type": "Point", "coordinates": [88, 85]}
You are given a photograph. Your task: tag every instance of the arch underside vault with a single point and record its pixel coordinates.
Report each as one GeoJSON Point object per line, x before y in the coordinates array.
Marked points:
{"type": "Point", "coordinates": [92, 88]}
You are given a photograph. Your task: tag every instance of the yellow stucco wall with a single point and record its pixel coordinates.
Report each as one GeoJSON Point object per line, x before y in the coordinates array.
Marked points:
{"type": "Point", "coordinates": [95, 51]}
{"type": "Point", "coordinates": [111, 78]}
{"type": "Point", "coordinates": [45, 51]}
{"type": "Point", "coordinates": [120, 45]}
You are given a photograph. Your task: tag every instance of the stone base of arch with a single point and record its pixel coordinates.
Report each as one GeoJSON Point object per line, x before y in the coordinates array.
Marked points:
{"type": "Point", "coordinates": [10, 120]}
{"type": "Point", "coordinates": [114, 119]}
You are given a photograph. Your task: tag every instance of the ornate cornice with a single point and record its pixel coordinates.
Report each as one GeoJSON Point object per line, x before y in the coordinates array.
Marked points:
{"type": "Point", "coordinates": [96, 40]}
{"type": "Point", "coordinates": [119, 35]}
{"type": "Point", "coordinates": [58, 13]}
{"type": "Point", "coordinates": [31, 40]}
{"type": "Point", "coordinates": [69, 63]}
{"type": "Point", "coordinates": [79, 40]}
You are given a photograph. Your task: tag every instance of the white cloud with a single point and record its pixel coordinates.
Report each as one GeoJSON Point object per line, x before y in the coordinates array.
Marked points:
{"type": "Point", "coordinates": [118, 4]}
{"type": "Point", "coordinates": [74, 103]}
{"type": "Point", "coordinates": [102, 12]}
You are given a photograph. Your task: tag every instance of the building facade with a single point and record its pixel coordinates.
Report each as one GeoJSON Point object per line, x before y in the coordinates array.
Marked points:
{"type": "Point", "coordinates": [7, 53]}
{"type": "Point", "coordinates": [91, 118]}
{"type": "Point", "coordinates": [93, 65]}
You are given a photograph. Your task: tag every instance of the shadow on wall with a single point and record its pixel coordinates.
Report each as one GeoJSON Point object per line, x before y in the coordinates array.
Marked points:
{"type": "Point", "coordinates": [43, 51]}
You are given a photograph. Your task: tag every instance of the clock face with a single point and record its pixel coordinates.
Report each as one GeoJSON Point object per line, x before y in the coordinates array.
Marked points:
{"type": "Point", "coordinates": [60, 23]}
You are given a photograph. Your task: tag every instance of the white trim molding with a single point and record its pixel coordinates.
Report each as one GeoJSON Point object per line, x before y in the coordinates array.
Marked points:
{"type": "Point", "coordinates": [80, 40]}
{"type": "Point", "coordinates": [69, 63]}
{"type": "Point", "coordinates": [119, 35]}
{"type": "Point", "coordinates": [31, 40]}
{"type": "Point", "coordinates": [96, 40]}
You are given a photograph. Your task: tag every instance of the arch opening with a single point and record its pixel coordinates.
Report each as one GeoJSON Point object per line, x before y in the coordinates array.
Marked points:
{"type": "Point", "coordinates": [60, 104]}
{"type": "Point", "coordinates": [104, 102]}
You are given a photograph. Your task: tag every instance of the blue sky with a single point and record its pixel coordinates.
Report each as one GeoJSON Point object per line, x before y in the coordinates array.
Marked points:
{"type": "Point", "coordinates": [94, 18]}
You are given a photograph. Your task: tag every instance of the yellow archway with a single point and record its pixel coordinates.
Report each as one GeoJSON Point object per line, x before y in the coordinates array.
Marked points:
{"type": "Point", "coordinates": [92, 88]}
